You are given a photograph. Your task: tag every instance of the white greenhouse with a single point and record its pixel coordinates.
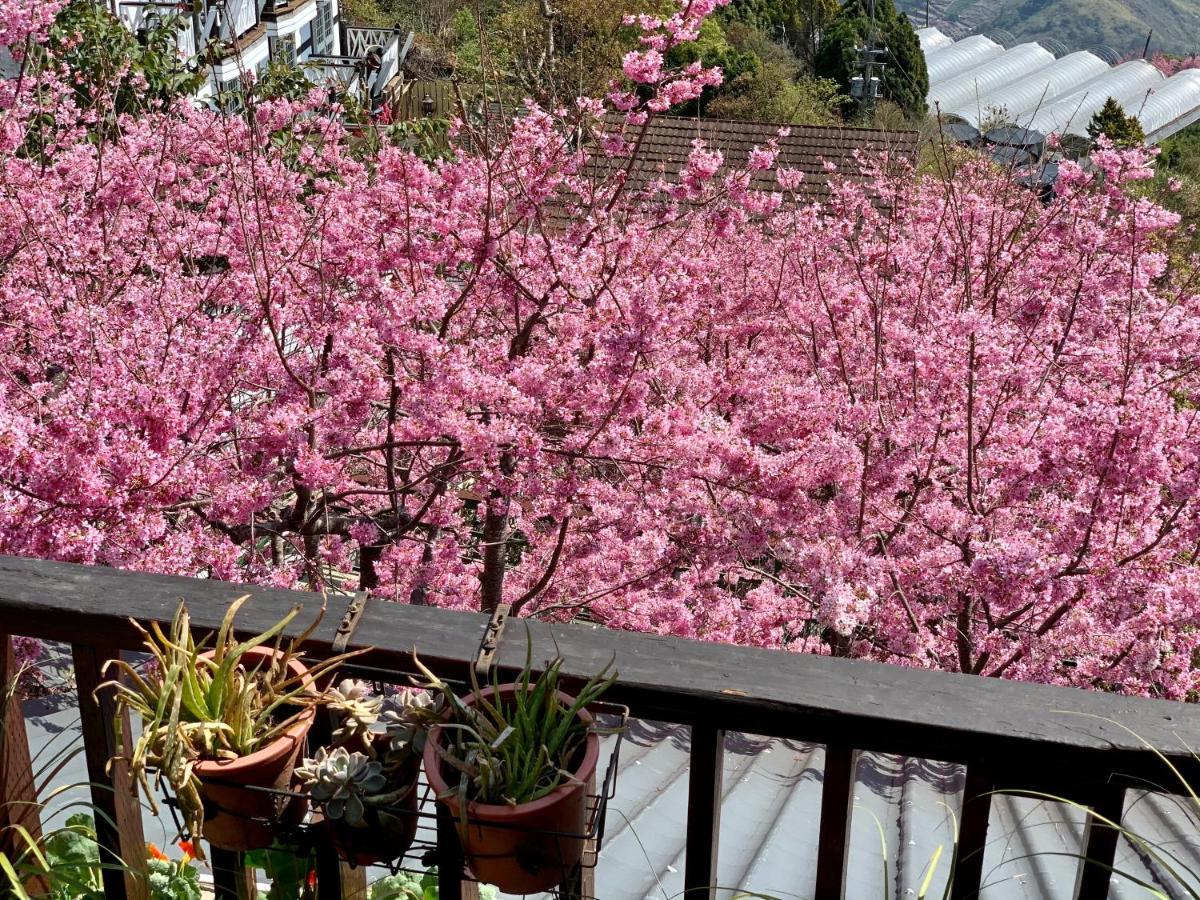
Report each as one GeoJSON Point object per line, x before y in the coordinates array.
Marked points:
{"type": "Point", "coordinates": [961, 56]}
{"type": "Point", "coordinates": [1172, 106]}
{"type": "Point", "coordinates": [1011, 100]}
{"type": "Point", "coordinates": [1128, 83]}
{"type": "Point", "coordinates": [933, 39]}
{"type": "Point", "coordinates": [969, 87]}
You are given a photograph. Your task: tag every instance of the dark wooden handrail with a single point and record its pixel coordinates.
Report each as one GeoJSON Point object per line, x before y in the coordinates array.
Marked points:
{"type": "Point", "coordinates": [1010, 735]}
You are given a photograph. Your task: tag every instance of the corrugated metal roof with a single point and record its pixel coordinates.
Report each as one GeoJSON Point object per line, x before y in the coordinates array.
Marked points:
{"type": "Point", "coordinates": [904, 809]}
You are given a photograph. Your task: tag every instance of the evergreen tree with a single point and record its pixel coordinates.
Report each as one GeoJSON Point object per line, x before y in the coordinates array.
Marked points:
{"type": "Point", "coordinates": [1124, 130]}
{"type": "Point", "coordinates": [905, 78]}
{"type": "Point", "coordinates": [799, 23]}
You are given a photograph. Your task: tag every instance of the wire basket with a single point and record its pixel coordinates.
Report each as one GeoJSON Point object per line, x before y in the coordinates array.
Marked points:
{"type": "Point", "coordinates": [436, 840]}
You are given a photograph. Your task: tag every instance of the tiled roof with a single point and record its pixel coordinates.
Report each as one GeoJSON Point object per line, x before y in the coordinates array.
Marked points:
{"type": "Point", "coordinates": [667, 142]}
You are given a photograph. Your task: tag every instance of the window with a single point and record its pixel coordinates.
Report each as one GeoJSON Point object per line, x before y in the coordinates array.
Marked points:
{"type": "Point", "coordinates": [229, 95]}
{"type": "Point", "coordinates": [322, 29]}
{"type": "Point", "coordinates": [283, 49]}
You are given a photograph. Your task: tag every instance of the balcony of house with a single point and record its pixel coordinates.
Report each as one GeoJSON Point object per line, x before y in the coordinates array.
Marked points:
{"type": "Point", "coordinates": [370, 62]}
{"type": "Point", "coordinates": [725, 769]}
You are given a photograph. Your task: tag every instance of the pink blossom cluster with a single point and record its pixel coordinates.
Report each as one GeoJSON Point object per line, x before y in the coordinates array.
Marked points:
{"type": "Point", "coordinates": [927, 421]}
{"type": "Point", "coordinates": [1173, 65]}
{"type": "Point", "coordinates": [22, 20]}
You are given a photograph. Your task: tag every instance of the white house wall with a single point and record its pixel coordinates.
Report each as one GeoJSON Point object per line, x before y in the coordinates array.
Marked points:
{"type": "Point", "coordinates": [287, 25]}
{"type": "Point", "coordinates": [250, 59]}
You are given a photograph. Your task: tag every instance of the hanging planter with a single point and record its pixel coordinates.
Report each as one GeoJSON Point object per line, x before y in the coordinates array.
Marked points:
{"type": "Point", "coordinates": [364, 785]}
{"type": "Point", "coordinates": [239, 813]}
{"type": "Point", "coordinates": [223, 727]}
{"type": "Point", "coordinates": [512, 764]}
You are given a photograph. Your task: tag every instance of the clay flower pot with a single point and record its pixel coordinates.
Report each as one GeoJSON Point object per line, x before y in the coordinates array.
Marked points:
{"type": "Point", "coordinates": [531, 847]}
{"type": "Point", "coordinates": [391, 825]}
{"type": "Point", "coordinates": [387, 835]}
{"type": "Point", "coordinates": [241, 819]}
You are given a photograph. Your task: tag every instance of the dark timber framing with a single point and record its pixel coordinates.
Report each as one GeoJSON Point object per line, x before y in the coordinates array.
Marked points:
{"type": "Point", "coordinates": [1011, 736]}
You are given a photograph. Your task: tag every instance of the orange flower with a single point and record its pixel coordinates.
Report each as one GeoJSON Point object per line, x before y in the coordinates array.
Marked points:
{"type": "Point", "coordinates": [155, 853]}
{"type": "Point", "coordinates": [189, 850]}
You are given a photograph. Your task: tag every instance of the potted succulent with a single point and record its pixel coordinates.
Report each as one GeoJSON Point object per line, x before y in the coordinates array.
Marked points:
{"type": "Point", "coordinates": [512, 763]}
{"type": "Point", "coordinates": [365, 783]}
{"type": "Point", "coordinates": [219, 723]}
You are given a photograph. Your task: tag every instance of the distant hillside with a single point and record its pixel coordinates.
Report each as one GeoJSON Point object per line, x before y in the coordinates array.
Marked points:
{"type": "Point", "coordinates": [1079, 24]}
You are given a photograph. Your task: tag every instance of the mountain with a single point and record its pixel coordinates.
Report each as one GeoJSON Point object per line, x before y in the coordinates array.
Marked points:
{"type": "Point", "coordinates": [1077, 24]}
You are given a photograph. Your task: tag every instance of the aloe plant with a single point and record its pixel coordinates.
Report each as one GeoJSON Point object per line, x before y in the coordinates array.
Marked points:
{"type": "Point", "coordinates": [519, 750]}
{"type": "Point", "coordinates": [197, 703]}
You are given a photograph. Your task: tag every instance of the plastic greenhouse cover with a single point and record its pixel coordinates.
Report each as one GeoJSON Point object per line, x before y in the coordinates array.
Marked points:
{"type": "Point", "coordinates": [1011, 100]}
{"type": "Point", "coordinates": [1172, 106]}
{"type": "Point", "coordinates": [945, 63]}
{"type": "Point", "coordinates": [1128, 83]}
{"type": "Point", "coordinates": [933, 39]}
{"type": "Point", "coordinates": [967, 89]}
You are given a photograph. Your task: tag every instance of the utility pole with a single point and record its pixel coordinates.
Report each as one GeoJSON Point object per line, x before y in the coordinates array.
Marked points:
{"type": "Point", "coordinates": [926, 13]}
{"type": "Point", "coordinates": [865, 87]}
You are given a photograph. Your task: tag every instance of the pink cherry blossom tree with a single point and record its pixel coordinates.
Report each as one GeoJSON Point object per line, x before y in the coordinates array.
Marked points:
{"type": "Point", "coordinates": [930, 421]}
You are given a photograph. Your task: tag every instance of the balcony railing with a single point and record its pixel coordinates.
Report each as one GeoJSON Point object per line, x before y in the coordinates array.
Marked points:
{"type": "Point", "coordinates": [1010, 736]}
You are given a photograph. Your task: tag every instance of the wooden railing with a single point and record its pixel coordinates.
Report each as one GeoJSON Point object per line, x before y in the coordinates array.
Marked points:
{"type": "Point", "coordinates": [1010, 736]}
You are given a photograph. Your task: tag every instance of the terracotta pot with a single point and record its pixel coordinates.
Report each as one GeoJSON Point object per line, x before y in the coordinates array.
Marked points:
{"type": "Point", "coordinates": [240, 819]}
{"type": "Point", "coordinates": [387, 835]}
{"type": "Point", "coordinates": [391, 823]}
{"type": "Point", "coordinates": [528, 848]}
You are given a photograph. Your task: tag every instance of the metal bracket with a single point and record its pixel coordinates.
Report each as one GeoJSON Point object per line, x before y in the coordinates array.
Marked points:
{"type": "Point", "coordinates": [349, 622]}
{"type": "Point", "coordinates": [485, 659]}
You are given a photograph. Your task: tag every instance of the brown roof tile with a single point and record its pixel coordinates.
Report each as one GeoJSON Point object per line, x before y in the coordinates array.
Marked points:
{"type": "Point", "coordinates": [665, 147]}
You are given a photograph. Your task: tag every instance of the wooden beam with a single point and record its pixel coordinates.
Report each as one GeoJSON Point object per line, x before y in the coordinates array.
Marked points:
{"type": "Point", "coordinates": [452, 883]}
{"type": "Point", "coordinates": [19, 807]}
{"type": "Point", "coordinates": [705, 779]}
{"type": "Point", "coordinates": [232, 878]}
{"type": "Point", "coordinates": [1100, 844]}
{"type": "Point", "coordinates": [837, 802]}
{"type": "Point", "coordinates": [117, 813]}
{"type": "Point", "coordinates": [972, 834]}
{"type": "Point", "coordinates": [849, 703]}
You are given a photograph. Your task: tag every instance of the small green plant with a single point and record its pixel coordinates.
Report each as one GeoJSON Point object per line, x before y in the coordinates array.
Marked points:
{"type": "Point", "coordinates": [368, 762]}
{"type": "Point", "coordinates": [196, 703]}
{"type": "Point", "coordinates": [340, 781]}
{"type": "Point", "coordinates": [514, 752]}
{"type": "Point", "coordinates": [418, 886]}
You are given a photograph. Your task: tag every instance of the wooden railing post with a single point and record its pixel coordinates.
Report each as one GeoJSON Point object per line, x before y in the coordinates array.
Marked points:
{"type": "Point", "coordinates": [451, 883]}
{"type": "Point", "coordinates": [1100, 844]}
{"type": "Point", "coordinates": [118, 816]}
{"type": "Point", "coordinates": [336, 878]}
{"type": "Point", "coordinates": [232, 878]}
{"type": "Point", "coordinates": [837, 799]}
{"type": "Point", "coordinates": [705, 777]}
{"type": "Point", "coordinates": [972, 834]}
{"type": "Point", "coordinates": [18, 787]}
